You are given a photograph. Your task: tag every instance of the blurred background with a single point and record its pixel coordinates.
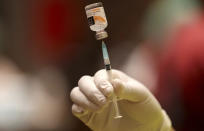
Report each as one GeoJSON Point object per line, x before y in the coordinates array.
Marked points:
{"type": "Point", "coordinates": [46, 46]}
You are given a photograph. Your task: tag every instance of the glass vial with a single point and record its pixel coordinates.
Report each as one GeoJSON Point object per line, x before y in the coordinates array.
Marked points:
{"type": "Point", "coordinates": [97, 20]}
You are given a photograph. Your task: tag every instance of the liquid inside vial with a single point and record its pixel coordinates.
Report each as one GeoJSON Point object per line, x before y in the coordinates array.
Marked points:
{"type": "Point", "coordinates": [96, 17]}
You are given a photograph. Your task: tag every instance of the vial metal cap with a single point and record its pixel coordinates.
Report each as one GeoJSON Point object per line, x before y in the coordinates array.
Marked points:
{"type": "Point", "coordinates": [101, 35]}
{"type": "Point", "coordinates": [94, 5]}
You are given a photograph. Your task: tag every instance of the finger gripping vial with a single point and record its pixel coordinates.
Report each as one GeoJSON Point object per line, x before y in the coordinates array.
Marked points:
{"type": "Point", "coordinates": [97, 20]}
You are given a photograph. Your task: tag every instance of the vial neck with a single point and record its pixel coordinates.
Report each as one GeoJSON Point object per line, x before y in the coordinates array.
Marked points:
{"type": "Point", "coordinates": [101, 31]}
{"type": "Point", "coordinates": [102, 34]}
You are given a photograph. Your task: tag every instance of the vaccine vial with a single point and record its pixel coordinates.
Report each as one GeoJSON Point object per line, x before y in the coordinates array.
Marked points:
{"type": "Point", "coordinates": [97, 20]}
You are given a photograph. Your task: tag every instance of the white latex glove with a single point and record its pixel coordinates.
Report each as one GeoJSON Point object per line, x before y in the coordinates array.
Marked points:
{"type": "Point", "coordinates": [139, 108]}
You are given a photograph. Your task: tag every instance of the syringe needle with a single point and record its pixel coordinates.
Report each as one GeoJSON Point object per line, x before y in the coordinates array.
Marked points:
{"type": "Point", "coordinates": [109, 73]}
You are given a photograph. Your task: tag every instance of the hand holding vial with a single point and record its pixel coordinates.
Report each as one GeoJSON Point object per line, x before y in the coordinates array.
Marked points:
{"type": "Point", "coordinates": [93, 104]}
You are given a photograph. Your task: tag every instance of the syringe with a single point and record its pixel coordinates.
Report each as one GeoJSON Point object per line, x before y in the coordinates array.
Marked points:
{"type": "Point", "coordinates": [109, 73]}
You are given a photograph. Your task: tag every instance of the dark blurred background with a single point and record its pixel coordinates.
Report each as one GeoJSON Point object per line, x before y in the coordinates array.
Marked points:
{"type": "Point", "coordinates": [46, 46]}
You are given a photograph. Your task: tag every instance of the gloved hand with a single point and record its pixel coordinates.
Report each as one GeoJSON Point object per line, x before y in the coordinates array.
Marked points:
{"type": "Point", "coordinates": [139, 108]}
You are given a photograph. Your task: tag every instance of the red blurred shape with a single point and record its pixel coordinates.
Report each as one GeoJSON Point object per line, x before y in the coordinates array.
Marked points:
{"type": "Point", "coordinates": [54, 27]}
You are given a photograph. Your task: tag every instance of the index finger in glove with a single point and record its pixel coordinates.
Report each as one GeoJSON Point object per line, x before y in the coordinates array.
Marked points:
{"type": "Point", "coordinates": [88, 87]}
{"type": "Point", "coordinates": [122, 85]}
{"type": "Point", "coordinates": [102, 83]}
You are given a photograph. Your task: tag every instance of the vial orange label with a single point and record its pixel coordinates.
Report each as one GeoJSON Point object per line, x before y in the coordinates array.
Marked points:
{"type": "Point", "coordinates": [99, 18]}
{"type": "Point", "coordinates": [95, 9]}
